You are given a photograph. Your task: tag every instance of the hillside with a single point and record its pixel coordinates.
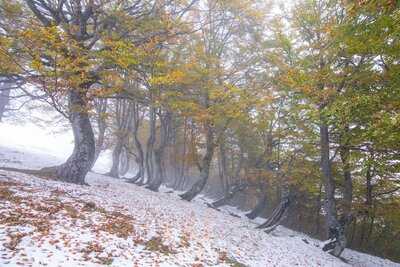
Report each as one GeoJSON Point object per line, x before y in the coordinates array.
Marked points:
{"type": "Point", "coordinates": [110, 222]}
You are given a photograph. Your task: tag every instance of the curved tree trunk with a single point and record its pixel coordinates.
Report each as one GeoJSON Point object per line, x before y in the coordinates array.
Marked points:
{"type": "Point", "coordinates": [260, 206]}
{"type": "Point", "coordinates": [234, 189]}
{"type": "Point", "coordinates": [159, 152]}
{"type": "Point", "coordinates": [138, 178]}
{"type": "Point", "coordinates": [140, 173]}
{"type": "Point", "coordinates": [336, 230]}
{"type": "Point", "coordinates": [150, 145]}
{"type": "Point", "coordinates": [139, 156]}
{"type": "Point", "coordinates": [101, 109]}
{"type": "Point", "coordinates": [205, 168]}
{"type": "Point", "coordinates": [4, 98]}
{"type": "Point", "coordinates": [116, 155]}
{"type": "Point", "coordinates": [180, 178]}
{"type": "Point", "coordinates": [124, 161]}
{"type": "Point", "coordinates": [281, 211]}
{"type": "Point", "coordinates": [277, 215]}
{"type": "Point", "coordinates": [79, 163]}
{"type": "Point", "coordinates": [158, 174]}
{"type": "Point", "coordinates": [98, 147]}
{"type": "Point", "coordinates": [124, 114]}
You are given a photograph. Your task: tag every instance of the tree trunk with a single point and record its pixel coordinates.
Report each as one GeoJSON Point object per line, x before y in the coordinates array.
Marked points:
{"type": "Point", "coordinates": [99, 146]}
{"type": "Point", "coordinates": [348, 191]}
{"type": "Point", "coordinates": [139, 156]}
{"type": "Point", "coordinates": [123, 117]}
{"type": "Point", "coordinates": [347, 183]}
{"type": "Point", "coordinates": [239, 167]}
{"type": "Point", "coordinates": [205, 167]}
{"type": "Point", "coordinates": [318, 211]}
{"type": "Point", "coordinates": [140, 173]}
{"type": "Point", "coordinates": [79, 163]}
{"type": "Point", "coordinates": [260, 206]}
{"type": "Point", "coordinates": [336, 230]}
{"type": "Point", "coordinates": [116, 156]}
{"type": "Point", "coordinates": [101, 109]}
{"type": "Point", "coordinates": [263, 200]}
{"type": "Point", "coordinates": [124, 161]}
{"type": "Point", "coordinates": [4, 98]}
{"type": "Point", "coordinates": [223, 169]}
{"type": "Point", "coordinates": [179, 180]}
{"type": "Point", "coordinates": [277, 215]}
{"type": "Point", "coordinates": [159, 152]}
{"type": "Point", "coordinates": [229, 195]}
{"type": "Point", "coordinates": [150, 145]}
{"type": "Point", "coordinates": [368, 205]}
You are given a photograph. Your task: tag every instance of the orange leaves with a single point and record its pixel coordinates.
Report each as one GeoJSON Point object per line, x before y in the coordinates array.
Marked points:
{"type": "Point", "coordinates": [118, 224]}
{"type": "Point", "coordinates": [62, 62]}
{"type": "Point", "coordinates": [15, 239]}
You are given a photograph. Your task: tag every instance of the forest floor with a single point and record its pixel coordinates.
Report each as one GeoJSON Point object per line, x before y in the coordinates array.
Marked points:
{"type": "Point", "coordinates": [50, 223]}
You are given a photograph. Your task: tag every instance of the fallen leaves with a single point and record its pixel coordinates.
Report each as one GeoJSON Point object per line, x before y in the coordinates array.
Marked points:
{"type": "Point", "coordinates": [15, 239]}
{"type": "Point", "coordinates": [156, 244]}
{"type": "Point", "coordinates": [119, 224]}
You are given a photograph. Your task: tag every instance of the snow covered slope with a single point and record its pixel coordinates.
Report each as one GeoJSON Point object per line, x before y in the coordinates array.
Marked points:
{"type": "Point", "coordinates": [49, 223]}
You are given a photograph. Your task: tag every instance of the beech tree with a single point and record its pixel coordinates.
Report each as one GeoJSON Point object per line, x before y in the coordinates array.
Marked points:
{"type": "Point", "coordinates": [66, 47]}
{"type": "Point", "coordinates": [290, 114]}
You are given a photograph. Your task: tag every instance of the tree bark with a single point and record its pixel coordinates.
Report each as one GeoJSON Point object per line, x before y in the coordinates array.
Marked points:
{"type": "Point", "coordinates": [4, 98]}
{"type": "Point", "coordinates": [229, 195]}
{"type": "Point", "coordinates": [263, 200]}
{"type": "Point", "coordinates": [318, 211]}
{"type": "Point", "coordinates": [277, 215]}
{"type": "Point", "coordinates": [101, 109]}
{"type": "Point", "coordinates": [123, 117]}
{"type": "Point", "coordinates": [165, 120]}
{"type": "Point", "coordinates": [260, 206]}
{"type": "Point", "coordinates": [223, 168]}
{"type": "Point", "coordinates": [368, 204]}
{"type": "Point", "coordinates": [150, 145]}
{"type": "Point", "coordinates": [180, 180]}
{"type": "Point", "coordinates": [336, 230]}
{"type": "Point", "coordinates": [116, 155]}
{"type": "Point", "coordinates": [79, 163]}
{"type": "Point", "coordinates": [124, 161]}
{"type": "Point", "coordinates": [348, 184]}
{"type": "Point", "coordinates": [205, 167]}
{"type": "Point", "coordinates": [139, 156]}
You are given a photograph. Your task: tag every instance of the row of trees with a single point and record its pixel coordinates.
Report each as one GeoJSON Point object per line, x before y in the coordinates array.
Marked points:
{"type": "Point", "coordinates": [294, 113]}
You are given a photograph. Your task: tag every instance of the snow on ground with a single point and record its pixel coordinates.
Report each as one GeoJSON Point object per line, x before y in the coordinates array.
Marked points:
{"type": "Point", "coordinates": [52, 145]}
{"type": "Point", "coordinates": [110, 222]}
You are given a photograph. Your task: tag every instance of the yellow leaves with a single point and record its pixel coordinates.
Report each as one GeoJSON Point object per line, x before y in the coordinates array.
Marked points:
{"type": "Point", "coordinates": [121, 53]}
{"type": "Point", "coordinates": [6, 59]}
{"type": "Point", "coordinates": [62, 62]}
{"type": "Point", "coordinates": [36, 64]}
{"type": "Point", "coordinates": [10, 9]}
{"type": "Point", "coordinates": [51, 39]}
{"type": "Point", "coordinates": [174, 77]}
{"type": "Point", "coordinates": [185, 107]}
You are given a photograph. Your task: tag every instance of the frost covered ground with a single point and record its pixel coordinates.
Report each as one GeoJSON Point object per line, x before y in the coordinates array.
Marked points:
{"type": "Point", "coordinates": [110, 222]}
